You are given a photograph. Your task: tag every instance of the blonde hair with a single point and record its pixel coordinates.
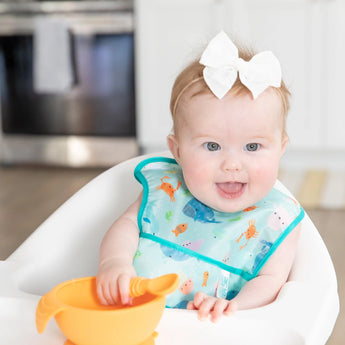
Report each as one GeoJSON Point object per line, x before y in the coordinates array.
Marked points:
{"type": "Point", "coordinates": [190, 82]}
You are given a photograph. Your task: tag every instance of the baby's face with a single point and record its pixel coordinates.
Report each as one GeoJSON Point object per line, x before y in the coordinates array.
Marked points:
{"type": "Point", "coordinates": [229, 149]}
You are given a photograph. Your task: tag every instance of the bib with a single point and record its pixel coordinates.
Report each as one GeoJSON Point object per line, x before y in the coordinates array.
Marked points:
{"type": "Point", "coordinates": [212, 251]}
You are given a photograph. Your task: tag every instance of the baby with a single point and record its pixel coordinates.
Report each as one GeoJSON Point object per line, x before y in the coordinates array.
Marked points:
{"type": "Point", "coordinates": [212, 214]}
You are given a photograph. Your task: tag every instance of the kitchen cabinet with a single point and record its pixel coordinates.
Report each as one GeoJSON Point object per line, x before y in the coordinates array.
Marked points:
{"type": "Point", "coordinates": [308, 37]}
{"type": "Point", "coordinates": [168, 34]}
{"type": "Point", "coordinates": [333, 51]}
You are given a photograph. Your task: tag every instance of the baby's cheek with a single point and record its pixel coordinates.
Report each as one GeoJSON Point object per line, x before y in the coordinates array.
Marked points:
{"type": "Point", "coordinates": [265, 176]}
{"type": "Point", "coordinates": [195, 178]}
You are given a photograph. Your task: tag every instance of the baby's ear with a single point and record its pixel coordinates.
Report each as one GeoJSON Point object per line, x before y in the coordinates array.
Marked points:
{"type": "Point", "coordinates": [173, 146]}
{"type": "Point", "coordinates": [285, 140]}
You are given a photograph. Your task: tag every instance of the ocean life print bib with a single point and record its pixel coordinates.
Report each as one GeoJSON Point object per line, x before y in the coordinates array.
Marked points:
{"type": "Point", "coordinates": [212, 251]}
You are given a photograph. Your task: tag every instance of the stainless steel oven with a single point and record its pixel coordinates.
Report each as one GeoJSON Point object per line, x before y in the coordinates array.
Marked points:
{"type": "Point", "coordinates": [92, 121]}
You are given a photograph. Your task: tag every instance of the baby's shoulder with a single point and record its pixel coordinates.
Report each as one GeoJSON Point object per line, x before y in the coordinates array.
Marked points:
{"type": "Point", "coordinates": [133, 209]}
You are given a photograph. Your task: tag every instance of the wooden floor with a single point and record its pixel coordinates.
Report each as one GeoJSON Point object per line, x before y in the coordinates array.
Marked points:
{"type": "Point", "coordinates": [28, 195]}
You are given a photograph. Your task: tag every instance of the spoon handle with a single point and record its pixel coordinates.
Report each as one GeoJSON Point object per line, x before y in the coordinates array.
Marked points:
{"type": "Point", "coordinates": [138, 286]}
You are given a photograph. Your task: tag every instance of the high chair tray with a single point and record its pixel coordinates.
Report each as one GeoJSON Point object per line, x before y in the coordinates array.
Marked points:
{"type": "Point", "coordinates": [181, 327]}
{"type": "Point", "coordinates": [17, 326]}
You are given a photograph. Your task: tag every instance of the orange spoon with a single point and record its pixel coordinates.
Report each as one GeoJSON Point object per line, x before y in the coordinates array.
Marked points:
{"type": "Point", "coordinates": [159, 286]}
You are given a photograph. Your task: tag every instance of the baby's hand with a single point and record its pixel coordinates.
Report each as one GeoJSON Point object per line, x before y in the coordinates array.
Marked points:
{"type": "Point", "coordinates": [113, 280]}
{"type": "Point", "coordinates": [214, 306]}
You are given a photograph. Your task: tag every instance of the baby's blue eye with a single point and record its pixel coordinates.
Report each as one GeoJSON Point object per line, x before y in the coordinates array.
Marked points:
{"type": "Point", "coordinates": [252, 147]}
{"type": "Point", "coordinates": [211, 146]}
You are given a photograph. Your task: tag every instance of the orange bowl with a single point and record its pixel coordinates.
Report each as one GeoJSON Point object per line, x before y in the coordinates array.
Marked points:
{"type": "Point", "coordinates": [84, 320]}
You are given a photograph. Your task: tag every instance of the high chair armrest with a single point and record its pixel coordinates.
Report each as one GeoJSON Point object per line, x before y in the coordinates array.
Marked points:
{"type": "Point", "coordinates": [10, 274]}
{"type": "Point", "coordinates": [286, 321]}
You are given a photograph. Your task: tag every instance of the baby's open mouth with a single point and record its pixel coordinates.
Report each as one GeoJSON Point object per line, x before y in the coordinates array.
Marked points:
{"type": "Point", "coordinates": [231, 190]}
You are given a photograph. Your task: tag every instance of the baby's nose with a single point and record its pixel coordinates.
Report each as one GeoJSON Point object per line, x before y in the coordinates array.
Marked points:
{"type": "Point", "coordinates": [231, 163]}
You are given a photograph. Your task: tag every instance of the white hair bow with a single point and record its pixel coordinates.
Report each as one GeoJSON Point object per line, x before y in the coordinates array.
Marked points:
{"type": "Point", "coordinates": [222, 64]}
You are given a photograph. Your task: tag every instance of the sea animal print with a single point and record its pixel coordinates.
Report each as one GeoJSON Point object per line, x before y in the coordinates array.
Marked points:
{"type": "Point", "coordinates": [199, 211]}
{"type": "Point", "coordinates": [174, 254]}
{"type": "Point", "coordinates": [181, 228]}
{"type": "Point", "coordinates": [187, 286]}
{"type": "Point", "coordinates": [193, 245]}
{"type": "Point", "coordinates": [279, 219]}
{"type": "Point", "coordinates": [249, 233]}
{"type": "Point", "coordinates": [151, 219]}
{"type": "Point", "coordinates": [226, 258]}
{"type": "Point", "coordinates": [250, 208]}
{"type": "Point", "coordinates": [205, 278]}
{"type": "Point", "coordinates": [168, 188]}
{"type": "Point", "coordinates": [169, 215]}
{"type": "Point", "coordinates": [266, 246]}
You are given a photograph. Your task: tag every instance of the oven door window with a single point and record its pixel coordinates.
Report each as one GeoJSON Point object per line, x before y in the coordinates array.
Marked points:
{"type": "Point", "coordinates": [100, 103]}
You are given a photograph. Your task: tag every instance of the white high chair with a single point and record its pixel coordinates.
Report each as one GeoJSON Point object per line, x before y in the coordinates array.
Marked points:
{"type": "Point", "coordinates": [66, 246]}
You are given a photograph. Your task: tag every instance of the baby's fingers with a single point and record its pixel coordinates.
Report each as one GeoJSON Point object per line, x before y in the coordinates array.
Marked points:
{"type": "Point", "coordinates": [100, 294]}
{"type": "Point", "coordinates": [205, 304]}
{"type": "Point", "coordinates": [191, 306]}
{"type": "Point", "coordinates": [123, 289]}
{"type": "Point", "coordinates": [220, 306]}
{"type": "Point", "coordinates": [215, 307]}
{"type": "Point", "coordinates": [231, 308]}
{"type": "Point", "coordinates": [104, 292]}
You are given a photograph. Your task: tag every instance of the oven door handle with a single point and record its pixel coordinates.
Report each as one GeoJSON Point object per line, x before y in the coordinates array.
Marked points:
{"type": "Point", "coordinates": [102, 24]}
{"type": "Point", "coordinates": [81, 24]}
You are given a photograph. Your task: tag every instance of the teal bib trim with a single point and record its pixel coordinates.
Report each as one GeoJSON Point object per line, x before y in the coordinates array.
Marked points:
{"type": "Point", "coordinates": [296, 221]}
{"type": "Point", "coordinates": [141, 178]}
{"type": "Point", "coordinates": [197, 255]}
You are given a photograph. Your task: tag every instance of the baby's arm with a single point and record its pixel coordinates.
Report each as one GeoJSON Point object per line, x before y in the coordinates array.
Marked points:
{"type": "Point", "coordinates": [257, 292]}
{"type": "Point", "coordinates": [116, 256]}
